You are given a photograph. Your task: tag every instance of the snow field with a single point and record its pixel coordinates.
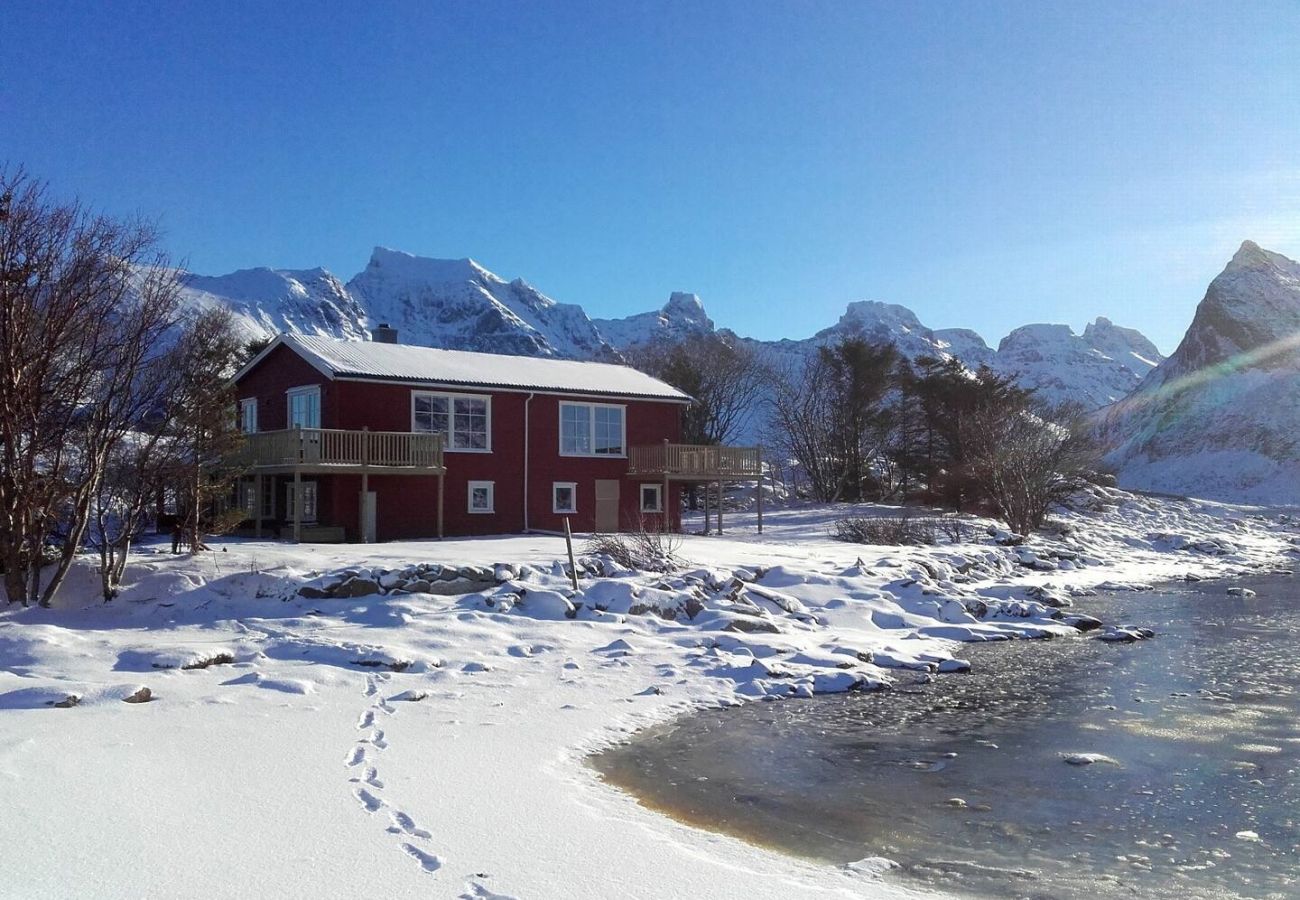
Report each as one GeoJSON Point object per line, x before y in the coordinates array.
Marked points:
{"type": "Point", "coordinates": [433, 745]}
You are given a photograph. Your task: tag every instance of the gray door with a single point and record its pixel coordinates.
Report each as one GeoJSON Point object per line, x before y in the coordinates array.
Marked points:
{"type": "Point", "coordinates": [606, 505]}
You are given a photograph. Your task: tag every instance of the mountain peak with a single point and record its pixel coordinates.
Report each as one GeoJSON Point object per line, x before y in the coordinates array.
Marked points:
{"type": "Point", "coordinates": [685, 309]}
{"type": "Point", "coordinates": [1252, 256]}
{"type": "Point", "coordinates": [407, 266]}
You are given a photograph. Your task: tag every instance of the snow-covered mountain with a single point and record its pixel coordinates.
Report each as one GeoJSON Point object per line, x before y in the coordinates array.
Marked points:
{"type": "Point", "coordinates": [459, 304]}
{"type": "Point", "coordinates": [1094, 369]}
{"type": "Point", "coordinates": [1220, 418]}
{"type": "Point", "coordinates": [682, 316]}
{"type": "Point", "coordinates": [268, 301]}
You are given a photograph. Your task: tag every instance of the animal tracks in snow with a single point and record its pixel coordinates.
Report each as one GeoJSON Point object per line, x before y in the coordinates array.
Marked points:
{"type": "Point", "coordinates": [368, 800]}
{"type": "Point", "coordinates": [427, 861]}
{"type": "Point", "coordinates": [367, 783]}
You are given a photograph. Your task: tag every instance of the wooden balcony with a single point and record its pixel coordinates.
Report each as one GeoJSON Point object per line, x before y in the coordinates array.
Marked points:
{"type": "Point", "coordinates": [696, 462]}
{"type": "Point", "coordinates": [332, 450]}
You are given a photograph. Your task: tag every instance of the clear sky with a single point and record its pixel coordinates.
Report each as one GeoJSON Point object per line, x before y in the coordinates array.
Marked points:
{"type": "Point", "coordinates": [986, 164]}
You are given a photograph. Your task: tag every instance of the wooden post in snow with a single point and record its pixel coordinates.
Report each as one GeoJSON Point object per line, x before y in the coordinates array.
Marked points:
{"type": "Point", "coordinates": [759, 493]}
{"type": "Point", "coordinates": [573, 565]}
{"type": "Point", "coordinates": [719, 506]}
{"type": "Point", "coordinates": [257, 506]}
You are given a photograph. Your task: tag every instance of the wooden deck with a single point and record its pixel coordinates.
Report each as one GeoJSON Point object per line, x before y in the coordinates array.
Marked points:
{"type": "Point", "coordinates": [696, 462]}
{"type": "Point", "coordinates": [339, 451]}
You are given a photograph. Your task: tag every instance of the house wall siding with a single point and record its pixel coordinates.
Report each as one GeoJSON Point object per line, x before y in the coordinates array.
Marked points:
{"type": "Point", "coordinates": [407, 506]}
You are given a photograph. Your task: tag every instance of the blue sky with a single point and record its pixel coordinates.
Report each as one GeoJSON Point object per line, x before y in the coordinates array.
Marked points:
{"type": "Point", "coordinates": [986, 164]}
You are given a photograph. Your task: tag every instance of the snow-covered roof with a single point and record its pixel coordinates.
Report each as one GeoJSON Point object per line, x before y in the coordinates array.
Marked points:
{"type": "Point", "coordinates": [429, 365]}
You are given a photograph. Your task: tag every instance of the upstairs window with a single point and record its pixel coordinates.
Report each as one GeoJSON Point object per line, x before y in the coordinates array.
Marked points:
{"type": "Point", "coordinates": [592, 429]}
{"type": "Point", "coordinates": [248, 415]}
{"type": "Point", "coordinates": [304, 407]}
{"type": "Point", "coordinates": [463, 419]}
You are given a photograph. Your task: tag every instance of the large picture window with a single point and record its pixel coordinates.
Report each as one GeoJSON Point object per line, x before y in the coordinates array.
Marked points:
{"type": "Point", "coordinates": [592, 429]}
{"type": "Point", "coordinates": [304, 407]}
{"type": "Point", "coordinates": [464, 419]}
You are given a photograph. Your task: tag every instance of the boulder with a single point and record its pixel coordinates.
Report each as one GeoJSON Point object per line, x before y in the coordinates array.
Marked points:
{"type": "Point", "coordinates": [357, 587]}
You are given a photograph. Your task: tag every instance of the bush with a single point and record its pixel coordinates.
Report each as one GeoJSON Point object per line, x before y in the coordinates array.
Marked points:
{"type": "Point", "coordinates": [891, 530]}
{"type": "Point", "coordinates": [646, 549]}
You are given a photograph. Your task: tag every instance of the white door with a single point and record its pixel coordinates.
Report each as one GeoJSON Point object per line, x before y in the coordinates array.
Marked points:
{"type": "Point", "coordinates": [368, 517]}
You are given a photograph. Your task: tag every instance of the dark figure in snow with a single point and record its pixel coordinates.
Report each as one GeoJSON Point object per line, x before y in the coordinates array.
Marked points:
{"type": "Point", "coordinates": [176, 535]}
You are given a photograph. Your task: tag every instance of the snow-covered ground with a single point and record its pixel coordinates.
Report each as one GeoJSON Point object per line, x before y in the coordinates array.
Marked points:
{"type": "Point", "coordinates": [404, 744]}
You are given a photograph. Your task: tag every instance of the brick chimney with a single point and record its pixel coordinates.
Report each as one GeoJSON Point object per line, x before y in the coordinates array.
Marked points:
{"type": "Point", "coordinates": [384, 334]}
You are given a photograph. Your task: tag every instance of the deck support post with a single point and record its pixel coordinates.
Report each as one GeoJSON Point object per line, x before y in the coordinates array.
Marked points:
{"type": "Point", "coordinates": [365, 498]}
{"type": "Point", "coordinates": [440, 504]}
{"type": "Point", "coordinates": [663, 505]}
{"type": "Point", "coordinates": [297, 505]}
{"type": "Point", "coordinates": [719, 506]}
{"type": "Point", "coordinates": [257, 506]}
{"type": "Point", "coordinates": [706, 507]}
{"type": "Point", "coordinates": [758, 493]}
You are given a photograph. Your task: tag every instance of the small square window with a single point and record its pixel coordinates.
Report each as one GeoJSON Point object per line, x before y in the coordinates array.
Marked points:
{"type": "Point", "coordinates": [652, 498]}
{"type": "Point", "coordinates": [564, 497]}
{"type": "Point", "coordinates": [481, 498]}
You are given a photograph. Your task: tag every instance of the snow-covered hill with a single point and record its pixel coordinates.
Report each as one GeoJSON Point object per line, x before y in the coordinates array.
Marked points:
{"type": "Point", "coordinates": [459, 304]}
{"type": "Point", "coordinates": [1220, 418]}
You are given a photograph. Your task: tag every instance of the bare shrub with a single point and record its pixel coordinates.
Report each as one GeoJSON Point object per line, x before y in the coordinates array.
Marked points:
{"type": "Point", "coordinates": [889, 530]}
{"type": "Point", "coordinates": [645, 549]}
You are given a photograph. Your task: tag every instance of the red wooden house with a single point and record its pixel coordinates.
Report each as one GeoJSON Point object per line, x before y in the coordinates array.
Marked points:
{"type": "Point", "coordinates": [375, 440]}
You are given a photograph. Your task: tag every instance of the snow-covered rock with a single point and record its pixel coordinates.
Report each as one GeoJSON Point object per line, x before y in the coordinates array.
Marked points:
{"type": "Point", "coordinates": [1219, 418]}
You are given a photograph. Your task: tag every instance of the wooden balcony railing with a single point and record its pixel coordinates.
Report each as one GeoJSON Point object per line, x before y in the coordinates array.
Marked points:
{"type": "Point", "coordinates": [696, 461]}
{"type": "Point", "coordinates": [332, 447]}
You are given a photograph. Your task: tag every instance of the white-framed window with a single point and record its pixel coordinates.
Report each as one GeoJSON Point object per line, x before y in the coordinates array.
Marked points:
{"type": "Point", "coordinates": [482, 496]}
{"type": "Point", "coordinates": [652, 498]}
{"type": "Point", "coordinates": [464, 419]}
{"type": "Point", "coordinates": [304, 406]}
{"type": "Point", "coordinates": [564, 497]}
{"type": "Point", "coordinates": [248, 415]}
{"type": "Point", "coordinates": [308, 501]}
{"type": "Point", "coordinates": [592, 429]}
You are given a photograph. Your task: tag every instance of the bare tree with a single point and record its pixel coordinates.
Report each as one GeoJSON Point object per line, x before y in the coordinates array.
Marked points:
{"type": "Point", "coordinates": [203, 423]}
{"type": "Point", "coordinates": [139, 469]}
{"type": "Point", "coordinates": [1023, 463]}
{"type": "Point", "coordinates": [84, 303]}
{"type": "Point", "coordinates": [833, 416]}
{"type": "Point", "coordinates": [720, 373]}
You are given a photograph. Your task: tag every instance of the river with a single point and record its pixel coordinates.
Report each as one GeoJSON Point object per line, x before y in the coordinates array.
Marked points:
{"type": "Point", "coordinates": [965, 780]}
